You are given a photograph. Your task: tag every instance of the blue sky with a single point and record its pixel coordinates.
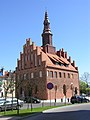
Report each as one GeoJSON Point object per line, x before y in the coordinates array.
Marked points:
{"type": "Point", "coordinates": [70, 25]}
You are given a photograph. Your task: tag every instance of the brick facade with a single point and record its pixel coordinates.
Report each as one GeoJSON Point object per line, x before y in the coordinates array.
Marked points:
{"type": "Point", "coordinates": [38, 66]}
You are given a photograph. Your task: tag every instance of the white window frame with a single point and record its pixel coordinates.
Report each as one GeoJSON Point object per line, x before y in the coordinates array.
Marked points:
{"type": "Point", "coordinates": [40, 73]}
{"type": "Point", "coordinates": [32, 75]}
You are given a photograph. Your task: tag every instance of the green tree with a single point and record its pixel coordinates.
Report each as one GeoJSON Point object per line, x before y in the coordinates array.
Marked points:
{"type": "Point", "coordinates": [87, 90]}
{"type": "Point", "coordinates": [83, 86]}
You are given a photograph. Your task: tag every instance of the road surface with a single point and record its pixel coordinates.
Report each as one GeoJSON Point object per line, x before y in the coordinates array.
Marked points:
{"type": "Point", "coordinates": [71, 112]}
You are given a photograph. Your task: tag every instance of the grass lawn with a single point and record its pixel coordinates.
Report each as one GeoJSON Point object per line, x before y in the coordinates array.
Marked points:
{"type": "Point", "coordinates": [25, 112]}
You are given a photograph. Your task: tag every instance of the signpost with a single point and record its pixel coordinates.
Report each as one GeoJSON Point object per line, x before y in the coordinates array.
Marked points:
{"type": "Point", "coordinates": [55, 87]}
{"type": "Point", "coordinates": [50, 86]}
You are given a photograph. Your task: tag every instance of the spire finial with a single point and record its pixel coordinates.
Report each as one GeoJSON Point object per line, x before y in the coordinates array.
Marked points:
{"type": "Point", "coordinates": [47, 35]}
{"type": "Point", "coordinates": [46, 16]}
{"type": "Point", "coordinates": [46, 23]}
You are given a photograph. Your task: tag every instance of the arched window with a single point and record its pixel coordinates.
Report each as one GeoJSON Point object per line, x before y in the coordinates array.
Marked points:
{"type": "Point", "coordinates": [68, 75]}
{"type": "Point", "coordinates": [60, 75]}
{"type": "Point", "coordinates": [55, 74]}
{"type": "Point", "coordinates": [64, 75]}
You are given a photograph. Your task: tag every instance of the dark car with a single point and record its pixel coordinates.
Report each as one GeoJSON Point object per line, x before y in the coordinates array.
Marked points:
{"type": "Point", "coordinates": [78, 99]}
{"type": "Point", "coordinates": [32, 100]}
{"type": "Point", "coordinates": [85, 100]}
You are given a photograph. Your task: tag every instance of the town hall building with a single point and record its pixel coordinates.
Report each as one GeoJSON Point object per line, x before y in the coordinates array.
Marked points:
{"type": "Point", "coordinates": [45, 73]}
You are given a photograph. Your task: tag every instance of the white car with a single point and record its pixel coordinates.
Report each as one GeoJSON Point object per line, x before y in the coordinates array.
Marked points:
{"type": "Point", "coordinates": [2, 99]}
{"type": "Point", "coordinates": [9, 104]}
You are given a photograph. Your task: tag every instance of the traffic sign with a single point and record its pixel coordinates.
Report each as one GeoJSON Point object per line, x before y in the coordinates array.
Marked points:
{"type": "Point", "coordinates": [50, 86]}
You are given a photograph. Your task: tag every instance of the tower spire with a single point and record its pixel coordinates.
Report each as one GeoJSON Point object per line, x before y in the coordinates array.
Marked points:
{"type": "Point", "coordinates": [46, 24]}
{"type": "Point", "coordinates": [46, 35]}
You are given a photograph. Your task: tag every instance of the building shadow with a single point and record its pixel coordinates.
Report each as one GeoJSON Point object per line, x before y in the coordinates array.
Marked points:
{"type": "Point", "coordinates": [70, 115]}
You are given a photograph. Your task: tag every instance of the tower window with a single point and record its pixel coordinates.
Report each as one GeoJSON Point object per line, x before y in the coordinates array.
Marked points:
{"type": "Point", "coordinates": [46, 24]}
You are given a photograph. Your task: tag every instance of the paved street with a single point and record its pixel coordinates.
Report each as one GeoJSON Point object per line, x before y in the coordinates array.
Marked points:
{"type": "Point", "coordinates": [72, 112]}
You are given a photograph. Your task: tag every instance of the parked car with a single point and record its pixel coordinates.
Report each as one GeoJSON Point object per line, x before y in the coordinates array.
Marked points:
{"type": "Point", "coordinates": [20, 102]}
{"type": "Point", "coordinates": [9, 104]}
{"type": "Point", "coordinates": [2, 99]}
{"type": "Point", "coordinates": [79, 99]}
{"type": "Point", "coordinates": [32, 99]}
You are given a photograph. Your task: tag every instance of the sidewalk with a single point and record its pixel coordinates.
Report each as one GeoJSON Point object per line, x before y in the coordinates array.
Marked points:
{"type": "Point", "coordinates": [9, 118]}
{"type": "Point", "coordinates": [16, 117]}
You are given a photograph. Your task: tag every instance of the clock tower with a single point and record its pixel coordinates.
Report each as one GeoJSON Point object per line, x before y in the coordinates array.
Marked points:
{"type": "Point", "coordinates": [47, 36]}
